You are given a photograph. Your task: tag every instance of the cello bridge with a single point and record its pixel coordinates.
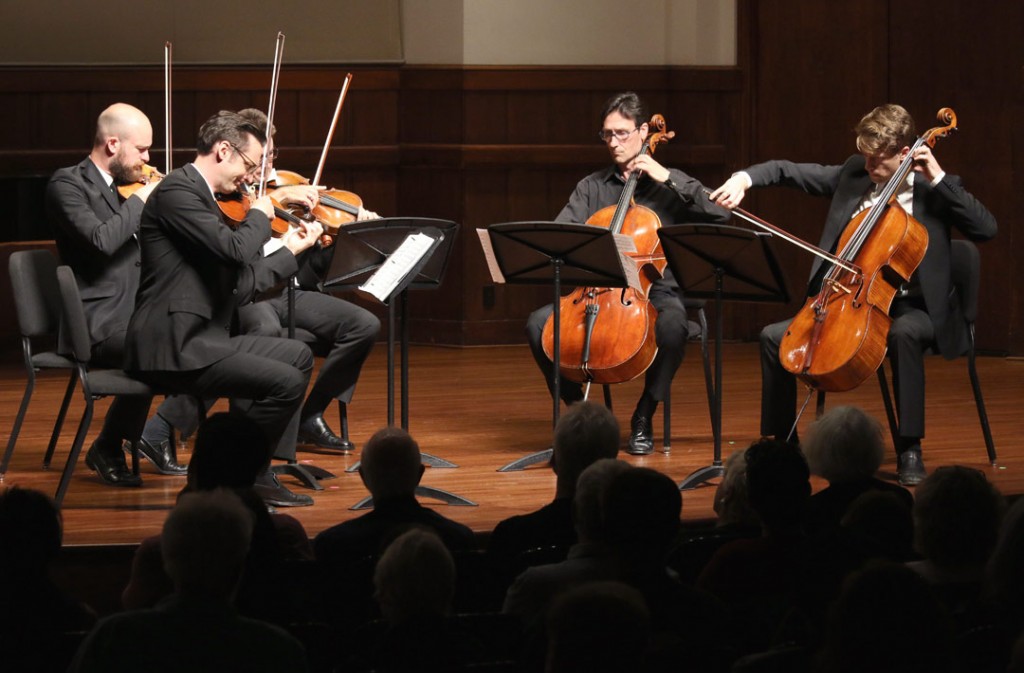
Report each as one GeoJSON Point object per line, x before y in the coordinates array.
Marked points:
{"type": "Point", "coordinates": [837, 286]}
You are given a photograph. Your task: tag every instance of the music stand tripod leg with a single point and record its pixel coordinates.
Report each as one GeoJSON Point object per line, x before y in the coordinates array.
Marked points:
{"type": "Point", "coordinates": [446, 497]}
{"type": "Point", "coordinates": [309, 475]}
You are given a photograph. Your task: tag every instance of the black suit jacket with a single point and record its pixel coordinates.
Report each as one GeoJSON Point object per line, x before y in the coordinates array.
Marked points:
{"type": "Point", "coordinates": [940, 209]}
{"type": "Point", "coordinates": [195, 272]}
{"type": "Point", "coordinates": [95, 236]}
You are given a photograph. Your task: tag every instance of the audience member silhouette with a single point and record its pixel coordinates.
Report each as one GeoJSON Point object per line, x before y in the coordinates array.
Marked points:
{"type": "Point", "coordinates": [588, 560]}
{"type": "Point", "coordinates": [391, 469]}
{"type": "Point", "coordinates": [204, 545]}
{"type": "Point", "coordinates": [957, 514]}
{"type": "Point", "coordinates": [600, 627]}
{"type": "Point", "coordinates": [846, 447]}
{"type": "Point", "coordinates": [642, 522]}
{"type": "Point", "coordinates": [39, 622]}
{"type": "Point", "coordinates": [887, 621]}
{"type": "Point", "coordinates": [780, 583]}
{"type": "Point", "coordinates": [879, 525]}
{"type": "Point", "coordinates": [1004, 575]}
{"type": "Point", "coordinates": [414, 585]}
{"type": "Point", "coordinates": [736, 520]}
{"type": "Point", "coordinates": [585, 433]}
{"type": "Point", "coordinates": [224, 456]}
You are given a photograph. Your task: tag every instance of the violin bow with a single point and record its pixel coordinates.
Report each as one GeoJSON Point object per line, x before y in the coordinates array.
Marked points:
{"type": "Point", "coordinates": [330, 132]}
{"type": "Point", "coordinates": [168, 160]}
{"type": "Point", "coordinates": [274, 79]}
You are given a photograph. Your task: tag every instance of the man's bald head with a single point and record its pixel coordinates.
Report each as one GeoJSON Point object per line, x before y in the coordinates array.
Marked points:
{"type": "Point", "coordinates": [121, 121]}
{"type": "Point", "coordinates": [121, 146]}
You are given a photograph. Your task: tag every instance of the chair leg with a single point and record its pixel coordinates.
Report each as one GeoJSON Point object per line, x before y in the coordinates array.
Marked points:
{"type": "Point", "coordinates": [820, 405]}
{"type": "Point", "coordinates": [343, 419]}
{"type": "Point", "coordinates": [59, 424]}
{"type": "Point", "coordinates": [607, 396]}
{"type": "Point", "coordinates": [666, 412]}
{"type": "Point", "coordinates": [709, 382]}
{"type": "Point", "coordinates": [76, 448]}
{"type": "Point", "coordinates": [890, 412]}
{"type": "Point", "coordinates": [30, 386]}
{"type": "Point", "coordinates": [979, 402]}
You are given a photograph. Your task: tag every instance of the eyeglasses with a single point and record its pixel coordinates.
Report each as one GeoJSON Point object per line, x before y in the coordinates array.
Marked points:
{"type": "Point", "coordinates": [619, 135]}
{"type": "Point", "coordinates": [250, 165]}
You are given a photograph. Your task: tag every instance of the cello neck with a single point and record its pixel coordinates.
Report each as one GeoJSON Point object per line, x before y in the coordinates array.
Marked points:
{"type": "Point", "coordinates": [626, 198]}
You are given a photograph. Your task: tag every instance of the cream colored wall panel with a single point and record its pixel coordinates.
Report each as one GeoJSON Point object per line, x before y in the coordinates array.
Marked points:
{"type": "Point", "coordinates": [111, 32]}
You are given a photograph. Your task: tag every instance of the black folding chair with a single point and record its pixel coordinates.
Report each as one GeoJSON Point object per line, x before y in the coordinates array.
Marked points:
{"type": "Point", "coordinates": [96, 383]}
{"type": "Point", "coordinates": [38, 304]}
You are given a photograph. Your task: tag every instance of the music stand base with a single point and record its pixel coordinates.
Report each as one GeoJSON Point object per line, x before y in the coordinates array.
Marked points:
{"type": "Point", "coordinates": [526, 461]}
{"type": "Point", "coordinates": [446, 497]}
{"type": "Point", "coordinates": [702, 476]}
{"type": "Point", "coordinates": [425, 458]}
{"type": "Point", "coordinates": [309, 475]}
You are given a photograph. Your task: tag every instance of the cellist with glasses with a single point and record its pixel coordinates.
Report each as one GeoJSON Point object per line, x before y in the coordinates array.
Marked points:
{"type": "Point", "coordinates": [922, 313]}
{"type": "Point", "coordinates": [676, 198]}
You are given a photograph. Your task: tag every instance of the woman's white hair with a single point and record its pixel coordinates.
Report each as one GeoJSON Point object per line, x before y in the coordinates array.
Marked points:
{"type": "Point", "coordinates": [844, 445]}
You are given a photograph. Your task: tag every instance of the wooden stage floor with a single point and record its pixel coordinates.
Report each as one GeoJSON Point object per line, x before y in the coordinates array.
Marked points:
{"type": "Point", "coordinates": [484, 407]}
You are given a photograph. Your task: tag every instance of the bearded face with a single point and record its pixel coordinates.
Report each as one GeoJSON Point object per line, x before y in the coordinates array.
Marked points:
{"type": "Point", "coordinates": [126, 166]}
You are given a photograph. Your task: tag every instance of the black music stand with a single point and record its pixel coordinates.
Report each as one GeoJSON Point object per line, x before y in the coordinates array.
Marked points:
{"type": "Point", "coordinates": [360, 249]}
{"type": "Point", "coordinates": [540, 253]}
{"type": "Point", "coordinates": [715, 261]}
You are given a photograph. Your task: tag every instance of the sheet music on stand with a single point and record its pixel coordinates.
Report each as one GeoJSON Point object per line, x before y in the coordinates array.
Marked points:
{"type": "Point", "coordinates": [401, 266]}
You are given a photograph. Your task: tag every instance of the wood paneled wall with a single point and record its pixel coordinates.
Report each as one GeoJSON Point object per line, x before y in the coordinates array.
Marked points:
{"type": "Point", "coordinates": [476, 146]}
{"type": "Point", "coordinates": [486, 145]}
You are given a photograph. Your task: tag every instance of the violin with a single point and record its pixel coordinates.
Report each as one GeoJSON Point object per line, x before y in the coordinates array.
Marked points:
{"type": "Point", "coordinates": [337, 207]}
{"type": "Point", "coordinates": [606, 334]}
{"type": "Point", "coordinates": [839, 337]}
{"type": "Point", "coordinates": [149, 175]}
{"type": "Point", "coordinates": [236, 206]}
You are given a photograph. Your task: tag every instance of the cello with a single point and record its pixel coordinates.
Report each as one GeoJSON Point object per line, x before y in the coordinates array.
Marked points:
{"type": "Point", "coordinates": [838, 339]}
{"type": "Point", "coordinates": [607, 334]}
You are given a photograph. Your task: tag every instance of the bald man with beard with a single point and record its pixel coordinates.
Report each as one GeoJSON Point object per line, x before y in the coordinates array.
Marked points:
{"type": "Point", "coordinates": [96, 229]}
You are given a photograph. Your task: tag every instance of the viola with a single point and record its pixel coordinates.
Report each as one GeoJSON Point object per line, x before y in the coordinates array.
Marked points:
{"type": "Point", "coordinates": [839, 337]}
{"type": "Point", "coordinates": [336, 208]}
{"type": "Point", "coordinates": [149, 175]}
{"type": "Point", "coordinates": [607, 334]}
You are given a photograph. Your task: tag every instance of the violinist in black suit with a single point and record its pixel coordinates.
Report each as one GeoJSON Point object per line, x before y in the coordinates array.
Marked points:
{"type": "Point", "coordinates": [344, 333]}
{"type": "Point", "coordinates": [925, 311]}
{"type": "Point", "coordinates": [195, 272]}
{"type": "Point", "coordinates": [95, 229]}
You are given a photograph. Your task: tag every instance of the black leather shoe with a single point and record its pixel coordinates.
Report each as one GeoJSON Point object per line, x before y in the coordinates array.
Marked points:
{"type": "Point", "coordinates": [161, 456]}
{"type": "Point", "coordinates": [111, 467]}
{"type": "Point", "coordinates": [641, 439]}
{"type": "Point", "coordinates": [276, 495]}
{"type": "Point", "coordinates": [910, 467]}
{"type": "Point", "coordinates": [314, 430]}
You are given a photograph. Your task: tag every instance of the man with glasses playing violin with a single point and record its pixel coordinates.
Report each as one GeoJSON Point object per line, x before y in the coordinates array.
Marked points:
{"type": "Point", "coordinates": [95, 229]}
{"type": "Point", "coordinates": [676, 198]}
{"type": "Point", "coordinates": [345, 331]}
{"type": "Point", "coordinates": [196, 270]}
{"type": "Point", "coordinates": [922, 312]}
